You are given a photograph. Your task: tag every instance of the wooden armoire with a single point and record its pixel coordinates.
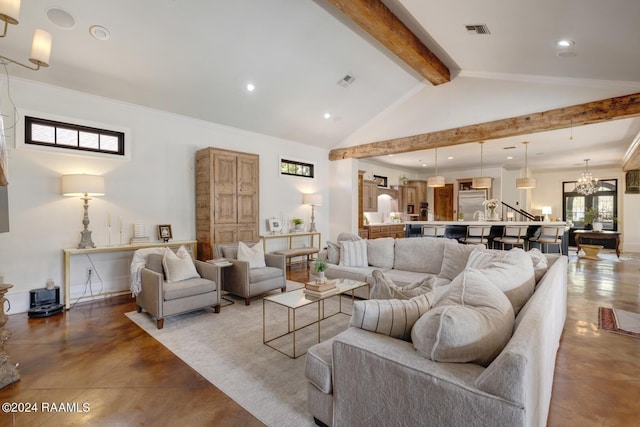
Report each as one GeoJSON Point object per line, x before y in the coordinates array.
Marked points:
{"type": "Point", "coordinates": [227, 198]}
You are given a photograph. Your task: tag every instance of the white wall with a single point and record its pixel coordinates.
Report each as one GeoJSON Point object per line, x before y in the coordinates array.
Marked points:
{"type": "Point", "coordinates": [155, 186]}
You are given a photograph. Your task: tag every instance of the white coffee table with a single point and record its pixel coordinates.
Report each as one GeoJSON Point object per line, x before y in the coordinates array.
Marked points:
{"type": "Point", "coordinates": [297, 299]}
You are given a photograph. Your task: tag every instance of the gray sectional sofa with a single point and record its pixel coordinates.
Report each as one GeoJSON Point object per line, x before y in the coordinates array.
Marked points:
{"type": "Point", "coordinates": [361, 377]}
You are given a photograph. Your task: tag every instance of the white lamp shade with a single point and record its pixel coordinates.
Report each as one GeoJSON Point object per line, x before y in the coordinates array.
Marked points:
{"type": "Point", "coordinates": [11, 9]}
{"type": "Point", "coordinates": [81, 184]}
{"type": "Point", "coordinates": [435, 181]}
{"type": "Point", "coordinates": [525, 182]}
{"type": "Point", "coordinates": [546, 210]}
{"type": "Point", "coordinates": [41, 48]}
{"type": "Point", "coordinates": [312, 199]}
{"type": "Point", "coordinates": [481, 182]}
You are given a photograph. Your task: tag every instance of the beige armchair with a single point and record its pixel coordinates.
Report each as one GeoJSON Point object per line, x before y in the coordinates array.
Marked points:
{"type": "Point", "coordinates": [162, 299]}
{"type": "Point", "coordinates": [247, 282]}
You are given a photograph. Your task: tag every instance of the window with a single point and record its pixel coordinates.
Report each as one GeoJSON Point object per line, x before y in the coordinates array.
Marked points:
{"type": "Point", "coordinates": [291, 167]}
{"type": "Point", "coordinates": [72, 137]}
{"type": "Point", "coordinates": [605, 202]}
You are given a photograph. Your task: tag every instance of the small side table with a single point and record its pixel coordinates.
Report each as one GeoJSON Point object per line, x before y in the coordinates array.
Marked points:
{"type": "Point", "coordinates": [222, 264]}
{"type": "Point", "coordinates": [591, 251]}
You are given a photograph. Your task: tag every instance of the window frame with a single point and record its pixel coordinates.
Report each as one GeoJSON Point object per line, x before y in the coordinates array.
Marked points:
{"type": "Point", "coordinates": [311, 166]}
{"type": "Point", "coordinates": [30, 120]}
{"type": "Point", "coordinates": [589, 201]}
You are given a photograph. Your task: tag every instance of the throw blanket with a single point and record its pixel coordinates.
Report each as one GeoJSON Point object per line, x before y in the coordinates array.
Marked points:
{"type": "Point", "coordinates": [137, 263]}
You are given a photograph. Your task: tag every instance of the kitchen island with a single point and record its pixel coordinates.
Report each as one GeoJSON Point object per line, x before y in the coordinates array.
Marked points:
{"type": "Point", "coordinates": [458, 229]}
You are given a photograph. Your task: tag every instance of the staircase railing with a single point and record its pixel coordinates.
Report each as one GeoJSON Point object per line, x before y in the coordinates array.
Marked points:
{"type": "Point", "coordinates": [520, 211]}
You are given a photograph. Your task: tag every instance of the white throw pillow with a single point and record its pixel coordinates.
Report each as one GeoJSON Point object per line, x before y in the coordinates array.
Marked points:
{"type": "Point", "coordinates": [385, 288]}
{"type": "Point", "coordinates": [392, 317]}
{"type": "Point", "coordinates": [333, 252]}
{"type": "Point", "coordinates": [471, 322]}
{"type": "Point", "coordinates": [354, 254]}
{"type": "Point", "coordinates": [178, 266]}
{"type": "Point", "coordinates": [540, 264]}
{"type": "Point", "coordinates": [254, 255]}
{"type": "Point", "coordinates": [380, 252]}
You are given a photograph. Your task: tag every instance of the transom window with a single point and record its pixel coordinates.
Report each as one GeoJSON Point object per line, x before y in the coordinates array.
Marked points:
{"type": "Point", "coordinates": [291, 167]}
{"type": "Point", "coordinates": [74, 137]}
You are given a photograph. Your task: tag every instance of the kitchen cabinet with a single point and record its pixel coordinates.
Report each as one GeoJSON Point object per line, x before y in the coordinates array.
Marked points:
{"type": "Point", "coordinates": [407, 199]}
{"type": "Point", "coordinates": [369, 196]}
{"type": "Point", "coordinates": [385, 230]}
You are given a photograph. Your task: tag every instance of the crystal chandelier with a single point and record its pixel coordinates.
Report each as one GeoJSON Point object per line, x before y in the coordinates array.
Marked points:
{"type": "Point", "coordinates": [587, 185]}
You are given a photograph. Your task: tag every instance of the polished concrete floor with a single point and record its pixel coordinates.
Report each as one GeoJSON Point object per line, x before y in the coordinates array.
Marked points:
{"type": "Point", "coordinates": [94, 354]}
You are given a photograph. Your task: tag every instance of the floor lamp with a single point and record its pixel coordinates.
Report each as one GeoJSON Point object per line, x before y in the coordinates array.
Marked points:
{"type": "Point", "coordinates": [83, 186]}
{"type": "Point", "coordinates": [313, 200]}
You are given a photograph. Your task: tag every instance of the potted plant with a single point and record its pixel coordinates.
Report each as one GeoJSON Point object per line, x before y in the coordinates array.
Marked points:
{"type": "Point", "coordinates": [297, 223]}
{"type": "Point", "coordinates": [591, 216]}
{"type": "Point", "coordinates": [319, 267]}
{"type": "Point", "coordinates": [460, 216]}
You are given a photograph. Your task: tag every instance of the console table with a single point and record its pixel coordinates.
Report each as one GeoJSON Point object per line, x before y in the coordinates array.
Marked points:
{"type": "Point", "coordinates": [291, 251]}
{"type": "Point", "coordinates": [597, 235]}
{"type": "Point", "coordinates": [191, 246]}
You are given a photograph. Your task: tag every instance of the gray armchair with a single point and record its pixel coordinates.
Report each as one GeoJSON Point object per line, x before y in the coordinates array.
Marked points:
{"type": "Point", "coordinates": [162, 299]}
{"type": "Point", "coordinates": [247, 282]}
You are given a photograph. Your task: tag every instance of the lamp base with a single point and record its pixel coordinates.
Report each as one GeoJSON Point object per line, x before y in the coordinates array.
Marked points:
{"type": "Point", "coordinates": [312, 228]}
{"type": "Point", "coordinates": [85, 241]}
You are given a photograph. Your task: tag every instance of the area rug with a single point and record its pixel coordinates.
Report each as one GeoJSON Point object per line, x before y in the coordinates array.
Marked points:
{"type": "Point", "coordinates": [226, 348]}
{"type": "Point", "coordinates": [619, 321]}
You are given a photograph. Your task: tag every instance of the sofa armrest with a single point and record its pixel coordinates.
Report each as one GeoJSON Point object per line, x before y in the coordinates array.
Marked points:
{"type": "Point", "coordinates": [276, 260]}
{"type": "Point", "coordinates": [208, 271]}
{"type": "Point", "coordinates": [236, 278]}
{"type": "Point", "coordinates": [150, 296]}
{"type": "Point", "coordinates": [380, 380]}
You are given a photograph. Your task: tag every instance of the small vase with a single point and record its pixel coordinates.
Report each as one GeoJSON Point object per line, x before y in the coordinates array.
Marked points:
{"type": "Point", "coordinates": [493, 215]}
{"type": "Point", "coordinates": [320, 277]}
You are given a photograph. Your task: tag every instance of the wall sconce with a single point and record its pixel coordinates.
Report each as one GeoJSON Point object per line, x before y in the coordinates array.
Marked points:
{"type": "Point", "coordinates": [313, 200]}
{"type": "Point", "coordinates": [83, 186]}
{"type": "Point", "coordinates": [41, 46]}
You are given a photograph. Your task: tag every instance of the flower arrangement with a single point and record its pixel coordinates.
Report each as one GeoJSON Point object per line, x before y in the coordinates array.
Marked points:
{"type": "Point", "coordinates": [491, 203]}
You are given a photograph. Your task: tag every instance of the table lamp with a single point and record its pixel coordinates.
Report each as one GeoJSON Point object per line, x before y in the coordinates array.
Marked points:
{"type": "Point", "coordinates": [83, 186]}
{"type": "Point", "coordinates": [546, 210]}
{"type": "Point", "coordinates": [313, 200]}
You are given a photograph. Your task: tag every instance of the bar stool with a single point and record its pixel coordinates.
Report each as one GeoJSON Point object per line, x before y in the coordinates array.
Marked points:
{"type": "Point", "coordinates": [477, 234]}
{"type": "Point", "coordinates": [433, 230]}
{"type": "Point", "coordinates": [549, 235]}
{"type": "Point", "coordinates": [514, 235]}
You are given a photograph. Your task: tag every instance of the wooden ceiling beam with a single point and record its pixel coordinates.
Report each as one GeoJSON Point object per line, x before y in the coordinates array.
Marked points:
{"type": "Point", "coordinates": [622, 107]}
{"type": "Point", "coordinates": [377, 20]}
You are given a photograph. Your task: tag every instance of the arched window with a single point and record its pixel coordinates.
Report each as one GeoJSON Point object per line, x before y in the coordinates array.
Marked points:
{"type": "Point", "coordinates": [604, 202]}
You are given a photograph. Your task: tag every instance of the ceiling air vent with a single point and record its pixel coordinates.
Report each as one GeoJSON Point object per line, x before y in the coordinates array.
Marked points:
{"type": "Point", "coordinates": [511, 147]}
{"type": "Point", "coordinates": [346, 80]}
{"type": "Point", "coordinates": [478, 29]}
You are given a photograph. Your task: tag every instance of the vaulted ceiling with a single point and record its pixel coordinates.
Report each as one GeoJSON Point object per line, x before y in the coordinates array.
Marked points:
{"type": "Point", "coordinates": [195, 58]}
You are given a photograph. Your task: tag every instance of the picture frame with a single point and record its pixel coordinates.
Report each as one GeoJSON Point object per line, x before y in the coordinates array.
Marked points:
{"type": "Point", "coordinates": [164, 232]}
{"type": "Point", "coordinates": [380, 180]}
{"type": "Point", "coordinates": [274, 225]}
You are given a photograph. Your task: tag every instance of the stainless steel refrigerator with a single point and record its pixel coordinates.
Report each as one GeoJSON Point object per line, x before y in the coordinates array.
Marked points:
{"type": "Point", "coordinates": [470, 201]}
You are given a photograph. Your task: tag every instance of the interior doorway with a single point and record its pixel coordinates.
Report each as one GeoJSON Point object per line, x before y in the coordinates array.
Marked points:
{"type": "Point", "coordinates": [443, 203]}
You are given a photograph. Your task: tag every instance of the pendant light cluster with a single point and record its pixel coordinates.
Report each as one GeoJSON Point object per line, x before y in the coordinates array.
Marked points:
{"type": "Point", "coordinates": [481, 181]}
{"type": "Point", "coordinates": [437, 180]}
{"type": "Point", "coordinates": [526, 182]}
{"type": "Point", "coordinates": [587, 184]}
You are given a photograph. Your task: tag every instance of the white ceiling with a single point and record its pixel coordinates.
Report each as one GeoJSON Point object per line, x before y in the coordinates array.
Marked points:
{"type": "Point", "coordinates": [194, 58]}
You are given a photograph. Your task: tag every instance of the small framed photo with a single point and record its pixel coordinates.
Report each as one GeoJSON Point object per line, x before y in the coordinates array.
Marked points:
{"type": "Point", "coordinates": [380, 180]}
{"type": "Point", "coordinates": [274, 224]}
{"type": "Point", "coordinates": [164, 232]}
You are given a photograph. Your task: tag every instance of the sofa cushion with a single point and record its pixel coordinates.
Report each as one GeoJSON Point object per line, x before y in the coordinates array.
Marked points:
{"type": "Point", "coordinates": [511, 271]}
{"type": "Point", "coordinates": [380, 252]}
{"type": "Point", "coordinates": [333, 252]}
{"type": "Point", "coordinates": [384, 288]}
{"type": "Point", "coordinates": [455, 259]}
{"type": "Point", "coordinates": [540, 264]}
{"type": "Point", "coordinates": [253, 255]}
{"type": "Point", "coordinates": [187, 288]}
{"type": "Point", "coordinates": [471, 322]}
{"type": "Point", "coordinates": [353, 254]}
{"type": "Point", "coordinates": [265, 273]}
{"type": "Point", "coordinates": [178, 266]}
{"type": "Point", "coordinates": [392, 317]}
{"type": "Point", "coordinates": [419, 254]}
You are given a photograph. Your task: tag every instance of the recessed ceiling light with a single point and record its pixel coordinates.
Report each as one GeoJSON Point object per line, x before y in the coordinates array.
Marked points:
{"type": "Point", "coordinates": [250, 87]}
{"type": "Point", "coordinates": [510, 158]}
{"type": "Point", "coordinates": [424, 165]}
{"type": "Point", "coordinates": [327, 115]}
{"type": "Point", "coordinates": [450, 158]}
{"type": "Point", "coordinates": [99, 32]}
{"type": "Point", "coordinates": [565, 43]}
